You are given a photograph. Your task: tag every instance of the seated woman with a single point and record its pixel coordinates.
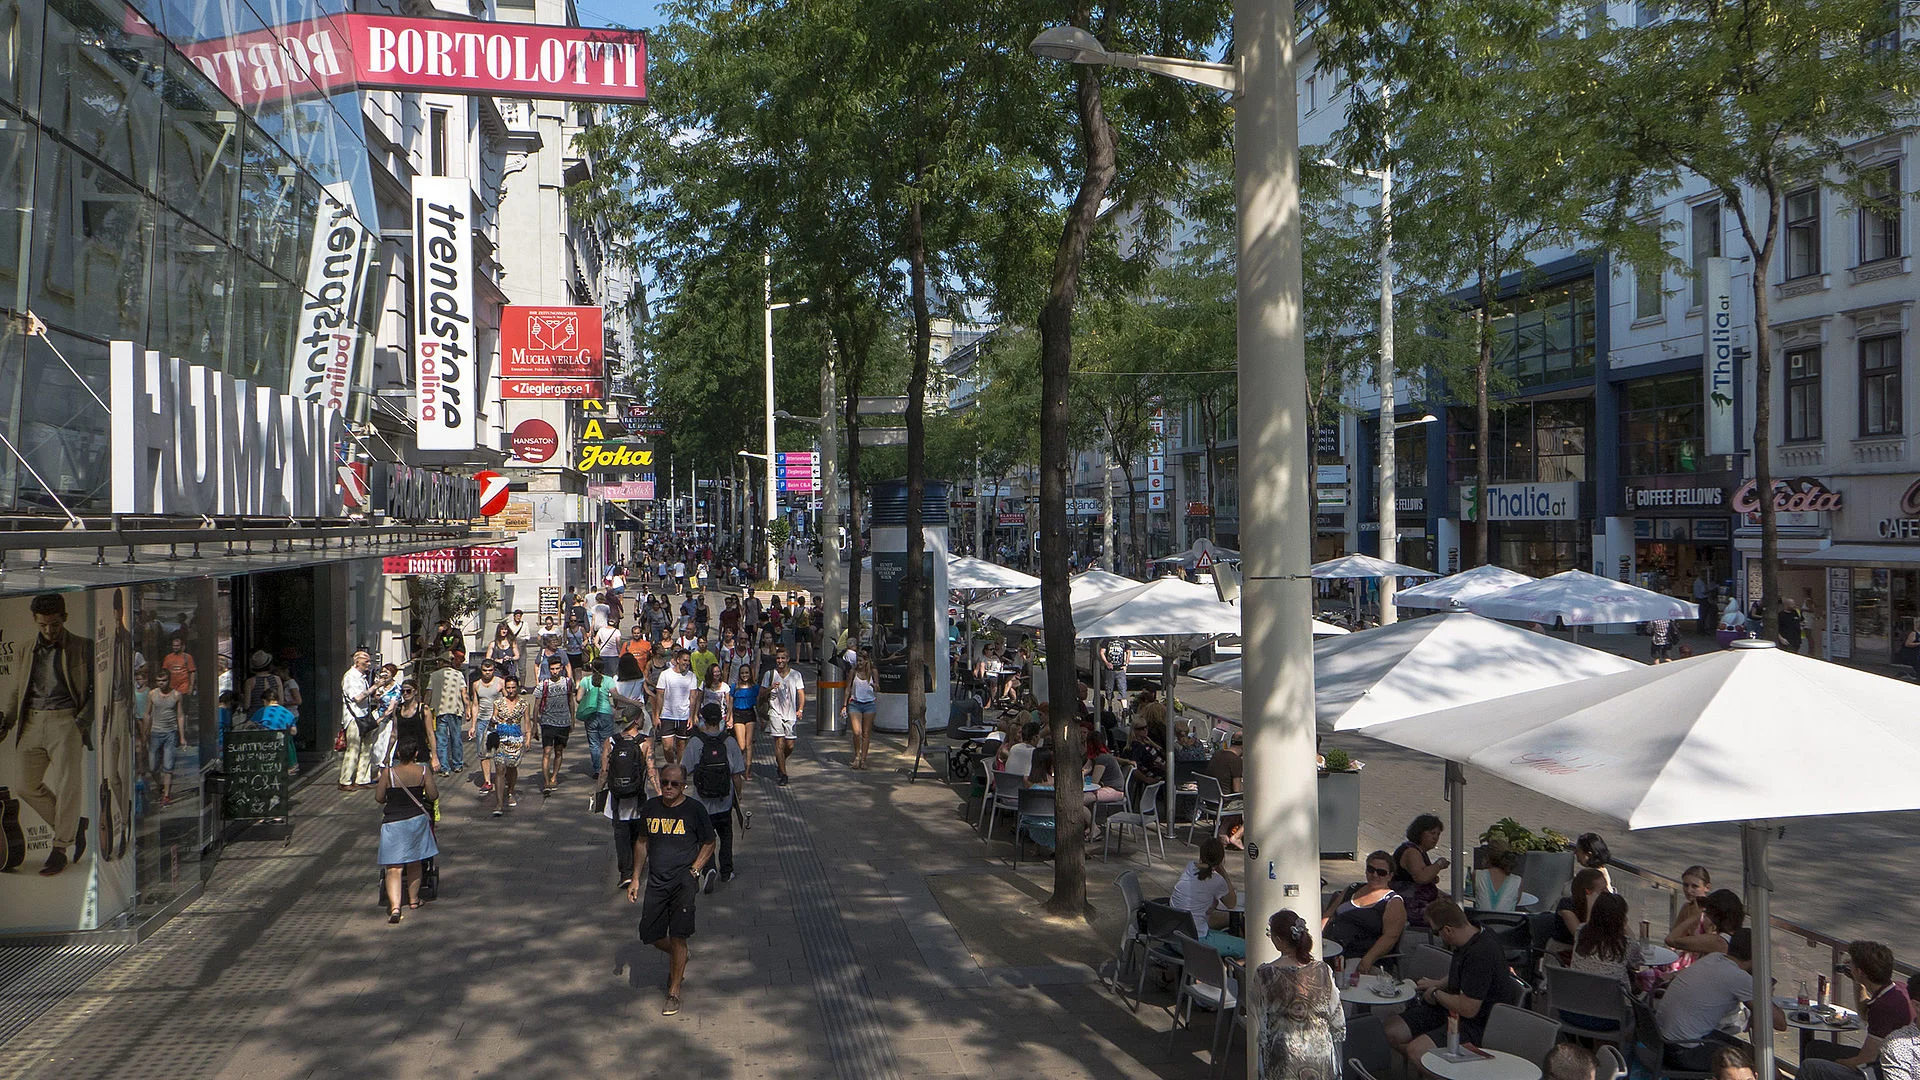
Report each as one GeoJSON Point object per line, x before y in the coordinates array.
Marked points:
{"type": "Point", "coordinates": [1696, 884]}
{"type": "Point", "coordinates": [1498, 888]}
{"type": "Point", "coordinates": [1723, 912]}
{"type": "Point", "coordinates": [1603, 948]}
{"type": "Point", "coordinates": [1204, 892]}
{"type": "Point", "coordinates": [1590, 851]}
{"type": "Point", "coordinates": [1104, 770]}
{"type": "Point", "coordinates": [1574, 911]}
{"type": "Point", "coordinates": [1368, 917]}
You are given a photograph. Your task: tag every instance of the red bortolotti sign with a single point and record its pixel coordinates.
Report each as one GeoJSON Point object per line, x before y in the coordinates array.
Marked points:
{"type": "Point", "coordinates": [550, 342]}
{"type": "Point", "coordinates": [452, 56]}
{"type": "Point", "coordinates": [550, 389]}
{"type": "Point", "coordinates": [498, 559]}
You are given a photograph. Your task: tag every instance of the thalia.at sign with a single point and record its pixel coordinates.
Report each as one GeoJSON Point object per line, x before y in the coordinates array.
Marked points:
{"type": "Point", "coordinates": [191, 441]}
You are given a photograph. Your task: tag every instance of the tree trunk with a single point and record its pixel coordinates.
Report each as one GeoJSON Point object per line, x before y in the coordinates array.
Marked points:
{"type": "Point", "coordinates": [1763, 408]}
{"type": "Point", "coordinates": [1213, 450]}
{"type": "Point", "coordinates": [1483, 453]}
{"type": "Point", "coordinates": [1056, 361]}
{"type": "Point", "coordinates": [856, 357]}
{"type": "Point", "coordinates": [913, 587]}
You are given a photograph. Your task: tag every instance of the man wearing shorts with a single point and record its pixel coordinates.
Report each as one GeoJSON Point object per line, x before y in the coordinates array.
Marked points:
{"type": "Point", "coordinates": [1477, 981]}
{"type": "Point", "coordinates": [506, 740]}
{"type": "Point", "coordinates": [785, 693]}
{"type": "Point", "coordinates": [673, 703]}
{"type": "Point", "coordinates": [676, 844]}
{"type": "Point", "coordinates": [482, 696]}
{"type": "Point", "coordinates": [553, 702]}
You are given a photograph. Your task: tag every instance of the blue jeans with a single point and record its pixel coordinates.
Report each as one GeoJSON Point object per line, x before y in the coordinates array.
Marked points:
{"type": "Point", "coordinates": [446, 730]}
{"type": "Point", "coordinates": [599, 729]}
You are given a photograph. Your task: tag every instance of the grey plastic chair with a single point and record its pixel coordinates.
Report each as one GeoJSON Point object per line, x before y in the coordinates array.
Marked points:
{"type": "Point", "coordinates": [1586, 994]}
{"type": "Point", "coordinates": [1146, 818]}
{"type": "Point", "coordinates": [1526, 1035]}
{"type": "Point", "coordinates": [1426, 962]}
{"type": "Point", "coordinates": [1203, 979]}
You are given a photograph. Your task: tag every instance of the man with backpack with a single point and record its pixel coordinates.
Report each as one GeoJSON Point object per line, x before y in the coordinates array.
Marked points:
{"type": "Point", "coordinates": [715, 769]}
{"type": "Point", "coordinates": [623, 788]}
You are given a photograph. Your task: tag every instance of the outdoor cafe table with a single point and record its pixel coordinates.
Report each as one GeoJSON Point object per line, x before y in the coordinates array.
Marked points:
{"type": "Point", "coordinates": [1363, 994]}
{"type": "Point", "coordinates": [1499, 1066]}
{"type": "Point", "coordinates": [1800, 1018]}
{"type": "Point", "coordinates": [1657, 955]}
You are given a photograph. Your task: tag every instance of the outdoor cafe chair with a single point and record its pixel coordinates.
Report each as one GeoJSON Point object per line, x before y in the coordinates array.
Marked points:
{"type": "Point", "coordinates": [1146, 817]}
{"type": "Point", "coordinates": [1035, 821]}
{"type": "Point", "coordinates": [1609, 1064]}
{"type": "Point", "coordinates": [1214, 802]}
{"type": "Point", "coordinates": [1526, 1035]}
{"type": "Point", "coordinates": [1587, 995]}
{"type": "Point", "coordinates": [1203, 979]}
{"type": "Point", "coordinates": [1160, 924]}
{"type": "Point", "coordinates": [1131, 942]}
{"type": "Point", "coordinates": [1006, 796]}
{"type": "Point", "coordinates": [1651, 1049]}
{"type": "Point", "coordinates": [1426, 962]}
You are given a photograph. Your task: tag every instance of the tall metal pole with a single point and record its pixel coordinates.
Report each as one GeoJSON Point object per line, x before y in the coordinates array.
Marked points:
{"type": "Point", "coordinates": [1389, 508]}
{"type": "Point", "coordinates": [1283, 827]}
{"type": "Point", "coordinates": [829, 530]}
{"type": "Point", "coordinates": [773, 494]}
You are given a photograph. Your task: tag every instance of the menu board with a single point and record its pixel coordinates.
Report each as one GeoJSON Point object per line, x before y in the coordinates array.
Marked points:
{"type": "Point", "coordinates": [256, 768]}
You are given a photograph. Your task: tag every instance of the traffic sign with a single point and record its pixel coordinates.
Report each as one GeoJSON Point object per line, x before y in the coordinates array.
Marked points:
{"type": "Point", "coordinates": [566, 547]}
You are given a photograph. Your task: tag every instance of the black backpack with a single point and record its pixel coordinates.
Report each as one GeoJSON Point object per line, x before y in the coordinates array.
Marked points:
{"type": "Point", "coordinates": [626, 775]}
{"type": "Point", "coordinates": [712, 778]}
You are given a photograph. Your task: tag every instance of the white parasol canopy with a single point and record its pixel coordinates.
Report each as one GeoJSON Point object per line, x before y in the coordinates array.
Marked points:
{"type": "Point", "coordinates": [1364, 566]}
{"type": "Point", "coordinates": [1577, 598]}
{"type": "Point", "coordinates": [964, 573]}
{"type": "Point", "coordinates": [1720, 737]}
{"type": "Point", "coordinates": [1163, 607]}
{"type": "Point", "coordinates": [1023, 608]}
{"type": "Point", "coordinates": [1453, 592]}
{"type": "Point", "coordinates": [1190, 558]}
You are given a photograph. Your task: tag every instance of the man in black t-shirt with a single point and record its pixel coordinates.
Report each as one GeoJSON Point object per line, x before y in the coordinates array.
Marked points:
{"type": "Point", "coordinates": [675, 845]}
{"type": "Point", "coordinates": [1477, 981]}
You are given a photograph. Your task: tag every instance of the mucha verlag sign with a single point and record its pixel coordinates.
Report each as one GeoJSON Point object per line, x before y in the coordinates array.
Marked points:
{"type": "Point", "coordinates": [443, 387]}
{"type": "Point", "coordinates": [550, 342]}
{"type": "Point", "coordinates": [326, 340]}
{"type": "Point", "coordinates": [350, 51]}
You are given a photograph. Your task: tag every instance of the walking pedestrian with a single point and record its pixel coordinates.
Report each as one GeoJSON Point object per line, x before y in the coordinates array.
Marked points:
{"type": "Point", "coordinates": [717, 771]}
{"type": "Point", "coordinates": [506, 742]}
{"type": "Point", "coordinates": [863, 700]}
{"type": "Point", "coordinates": [676, 847]}
{"type": "Point", "coordinates": [406, 824]}
{"type": "Point", "coordinates": [357, 723]}
{"type": "Point", "coordinates": [409, 720]}
{"type": "Point", "coordinates": [786, 695]}
{"type": "Point", "coordinates": [623, 789]}
{"type": "Point", "coordinates": [482, 696]}
{"type": "Point", "coordinates": [746, 701]}
{"type": "Point", "coordinates": [553, 707]}
{"type": "Point", "coordinates": [447, 694]}
{"type": "Point", "coordinates": [673, 703]}
{"type": "Point", "coordinates": [606, 647]}
{"type": "Point", "coordinates": [593, 705]}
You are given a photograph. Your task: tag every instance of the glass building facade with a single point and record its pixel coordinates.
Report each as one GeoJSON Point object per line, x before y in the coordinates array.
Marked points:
{"type": "Point", "coordinates": [140, 202]}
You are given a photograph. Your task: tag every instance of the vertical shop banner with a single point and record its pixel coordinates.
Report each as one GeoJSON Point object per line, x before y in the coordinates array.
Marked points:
{"type": "Point", "coordinates": [52, 844]}
{"type": "Point", "coordinates": [327, 340]}
{"type": "Point", "coordinates": [445, 386]}
{"type": "Point", "coordinates": [1718, 365]}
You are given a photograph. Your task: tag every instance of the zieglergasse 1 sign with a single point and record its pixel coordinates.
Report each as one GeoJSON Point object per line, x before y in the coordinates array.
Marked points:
{"type": "Point", "coordinates": [350, 51]}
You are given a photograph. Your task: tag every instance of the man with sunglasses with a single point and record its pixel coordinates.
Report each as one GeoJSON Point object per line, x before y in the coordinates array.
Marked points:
{"type": "Point", "coordinates": [674, 848]}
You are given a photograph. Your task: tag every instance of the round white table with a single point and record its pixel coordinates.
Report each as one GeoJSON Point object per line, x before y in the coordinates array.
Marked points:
{"type": "Point", "coordinates": [1658, 955]}
{"type": "Point", "coordinates": [1365, 995]}
{"type": "Point", "coordinates": [1500, 1066]}
{"type": "Point", "coordinates": [1526, 900]}
{"type": "Point", "coordinates": [1330, 949]}
{"type": "Point", "coordinates": [1799, 1018]}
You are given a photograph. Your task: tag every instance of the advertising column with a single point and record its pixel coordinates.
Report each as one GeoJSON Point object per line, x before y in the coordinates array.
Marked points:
{"type": "Point", "coordinates": [891, 621]}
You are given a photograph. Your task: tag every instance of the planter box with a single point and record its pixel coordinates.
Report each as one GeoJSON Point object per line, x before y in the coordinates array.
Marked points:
{"type": "Point", "coordinates": [1546, 874]}
{"type": "Point", "coordinates": [1340, 815]}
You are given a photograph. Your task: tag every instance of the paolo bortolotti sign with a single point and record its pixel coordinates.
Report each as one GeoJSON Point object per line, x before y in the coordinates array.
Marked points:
{"type": "Point", "coordinates": [354, 51]}
{"type": "Point", "coordinates": [551, 353]}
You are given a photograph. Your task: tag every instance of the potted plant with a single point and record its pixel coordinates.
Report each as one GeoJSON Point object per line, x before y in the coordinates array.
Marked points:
{"type": "Point", "coordinates": [1546, 857]}
{"type": "Point", "coordinates": [1339, 790]}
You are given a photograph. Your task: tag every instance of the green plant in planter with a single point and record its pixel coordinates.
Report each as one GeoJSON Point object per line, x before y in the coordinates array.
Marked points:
{"type": "Point", "coordinates": [1513, 836]}
{"type": "Point", "coordinates": [1339, 760]}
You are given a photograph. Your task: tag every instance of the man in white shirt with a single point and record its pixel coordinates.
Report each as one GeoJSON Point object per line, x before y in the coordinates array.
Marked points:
{"type": "Point", "coordinates": [672, 703]}
{"type": "Point", "coordinates": [1701, 998]}
{"type": "Point", "coordinates": [356, 696]}
{"type": "Point", "coordinates": [785, 693]}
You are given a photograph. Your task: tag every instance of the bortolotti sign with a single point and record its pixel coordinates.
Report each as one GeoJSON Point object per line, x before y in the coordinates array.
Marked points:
{"type": "Point", "coordinates": [444, 387]}
{"type": "Point", "coordinates": [340, 53]}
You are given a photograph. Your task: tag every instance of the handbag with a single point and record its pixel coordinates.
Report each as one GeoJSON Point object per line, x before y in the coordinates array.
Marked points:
{"type": "Point", "coordinates": [340, 741]}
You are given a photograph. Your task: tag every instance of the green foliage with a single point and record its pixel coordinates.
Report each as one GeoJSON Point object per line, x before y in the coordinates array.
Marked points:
{"type": "Point", "coordinates": [1510, 835]}
{"type": "Point", "coordinates": [1338, 760]}
{"type": "Point", "coordinates": [779, 531]}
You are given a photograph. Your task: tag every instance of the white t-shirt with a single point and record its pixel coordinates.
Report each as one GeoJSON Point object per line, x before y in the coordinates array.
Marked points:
{"type": "Point", "coordinates": [679, 569]}
{"type": "Point", "coordinates": [1701, 997]}
{"type": "Point", "coordinates": [786, 690]}
{"type": "Point", "coordinates": [600, 615]}
{"type": "Point", "coordinates": [1900, 1054]}
{"type": "Point", "coordinates": [1197, 897]}
{"type": "Point", "coordinates": [607, 640]}
{"type": "Point", "coordinates": [1019, 760]}
{"type": "Point", "coordinates": [676, 693]}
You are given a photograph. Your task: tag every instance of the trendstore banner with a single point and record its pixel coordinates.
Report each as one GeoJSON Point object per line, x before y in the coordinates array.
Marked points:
{"type": "Point", "coordinates": [445, 388]}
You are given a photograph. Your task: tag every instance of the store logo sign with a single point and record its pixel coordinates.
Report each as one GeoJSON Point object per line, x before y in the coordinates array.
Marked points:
{"type": "Point", "coordinates": [326, 340]}
{"type": "Point", "coordinates": [190, 441]}
{"type": "Point", "coordinates": [1718, 369]}
{"type": "Point", "coordinates": [1802, 494]}
{"type": "Point", "coordinates": [443, 339]}
{"type": "Point", "coordinates": [1524, 502]}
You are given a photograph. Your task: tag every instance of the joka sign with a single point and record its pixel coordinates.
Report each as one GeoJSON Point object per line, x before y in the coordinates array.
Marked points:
{"type": "Point", "coordinates": [600, 452]}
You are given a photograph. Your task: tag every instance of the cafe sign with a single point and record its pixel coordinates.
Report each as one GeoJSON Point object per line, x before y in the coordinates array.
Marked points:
{"type": "Point", "coordinates": [1648, 498]}
{"type": "Point", "coordinates": [1799, 495]}
{"type": "Point", "coordinates": [1906, 526]}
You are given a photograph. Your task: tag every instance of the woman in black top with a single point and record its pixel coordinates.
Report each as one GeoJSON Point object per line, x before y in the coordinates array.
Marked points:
{"type": "Point", "coordinates": [1573, 911]}
{"type": "Point", "coordinates": [1368, 917]}
{"type": "Point", "coordinates": [1416, 877]}
{"type": "Point", "coordinates": [405, 791]}
{"type": "Point", "coordinates": [410, 722]}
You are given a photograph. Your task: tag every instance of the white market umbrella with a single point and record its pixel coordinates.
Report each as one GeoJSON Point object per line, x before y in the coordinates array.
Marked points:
{"type": "Point", "coordinates": [1720, 737]}
{"type": "Point", "coordinates": [1578, 598]}
{"type": "Point", "coordinates": [968, 573]}
{"type": "Point", "coordinates": [1023, 608]}
{"type": "Point", "coordinates": [1190, 558]}
{"type": "Point", "coordinates": [1453, 592]}
{"type": "Point", "coordinates": [1364, 566]}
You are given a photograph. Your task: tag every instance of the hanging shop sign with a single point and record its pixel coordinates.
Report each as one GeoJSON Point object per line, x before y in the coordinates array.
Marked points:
{"type": "Point", "coordinates": [550, 389]}
{"type": "Point", "coordinates": [1199, 510]}
{"type": "Point", "coordinates": [600, 454]}
{"type": "Point", "coordinates": [490, 559]}
{"type": "Point", "coordinates": [444, 394]}
{"type": "Point", "coordinates": [1013, 518]}
{"type": "Point", "coordinates": [1524, 502]}
{"type": "Point", "coordinates": [1801, 494]}
{"type": "Point", "coordinates": [516, 518]}
{"type": "Point", "coordinates": [345, 52]}
{"type": "Point", "coordinates": [190, 441]}
{"type": "Point", "coordinates": [1645, 498]}
{"type": "Point", "coordinates": [423, 496]}
{"type": "Point", "coordinates": [535, 441]}
{"type": "Point", "coordinates": [551, 342]}
{"type": "Point", "coordinates": [626, 490]}
{"type": "Point", "coordinates": [493, 491]}
{"type": "Point", "coordinates": [326, 339]}
{"type": "Point", "coordinates": [1718, 367]}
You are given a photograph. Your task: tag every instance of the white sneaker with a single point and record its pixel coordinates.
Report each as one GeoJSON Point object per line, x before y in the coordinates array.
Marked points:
{"type": "Point", "coordinates": [707, 879]}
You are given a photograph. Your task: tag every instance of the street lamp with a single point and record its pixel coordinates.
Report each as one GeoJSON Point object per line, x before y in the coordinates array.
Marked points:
{"type": "Point", "coordinates": [773, 484]}
{"type": "Point", "coordinates": [1282, 820]}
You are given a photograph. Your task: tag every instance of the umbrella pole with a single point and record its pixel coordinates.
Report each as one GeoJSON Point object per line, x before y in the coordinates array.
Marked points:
{"type": "Point", "coordinates": [1173, 745]}
{"type": "Point", "coordinates": [1456, 791]}
{"type": "Point", "coordinates": [1754, 837]}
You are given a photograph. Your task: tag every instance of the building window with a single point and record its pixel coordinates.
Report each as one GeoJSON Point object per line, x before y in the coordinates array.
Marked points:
{"type": "Point", "coordinates": [1310, 92]}
{"type": "Point", "coordinates": [1649, 298]}
{"type": "Point", "coordinates": [437, 142]}
{"type": "Point", "coordinates": [1534, 443]}
{"type": "Point", "coordinates": [1803, 394]}
{"type": "Point", "coordinates": [1886, 43]}
{"type": "Point", "coordinates": [1646, 12]}
{"type": "Point", "coordinates": [1803, 233]}
{"type": "Point", "coordinates": [1662, 426]}
{"type": "Point", "coordinates": [1880, 214]}
{"type": "Point", "coordinates": [1706, 245]}
{"type": "Point", "coordinates": [1546, 336]}
{"type": "Point", "coordinates": [1880, 385]}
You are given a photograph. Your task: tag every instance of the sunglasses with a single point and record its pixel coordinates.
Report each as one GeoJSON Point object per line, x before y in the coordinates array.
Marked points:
{"type": "Point", "coordinates": [1383, 870]}
{"type": "Point", "coordinates": [673, 783]}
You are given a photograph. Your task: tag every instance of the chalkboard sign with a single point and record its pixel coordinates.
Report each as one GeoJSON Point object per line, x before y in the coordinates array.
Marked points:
{"type": "Point", "coordinates": [256, 767]}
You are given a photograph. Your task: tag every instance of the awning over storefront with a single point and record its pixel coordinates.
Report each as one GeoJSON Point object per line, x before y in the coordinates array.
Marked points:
{"type": "Point", "coordinates": [1859, 555]}
{"type": "Point", "coordinates": [26, 572]}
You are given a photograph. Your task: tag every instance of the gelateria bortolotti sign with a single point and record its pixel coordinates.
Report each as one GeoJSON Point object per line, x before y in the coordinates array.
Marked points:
{"type": "Point", "coordinates": [189, 440]}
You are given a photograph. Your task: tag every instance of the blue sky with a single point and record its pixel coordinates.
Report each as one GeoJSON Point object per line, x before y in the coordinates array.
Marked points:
{"type": "Point", "coordinates": [640, 14]}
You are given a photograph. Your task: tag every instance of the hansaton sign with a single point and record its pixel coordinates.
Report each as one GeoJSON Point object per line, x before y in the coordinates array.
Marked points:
{"type": "Point", "coordinates": [550, 342]}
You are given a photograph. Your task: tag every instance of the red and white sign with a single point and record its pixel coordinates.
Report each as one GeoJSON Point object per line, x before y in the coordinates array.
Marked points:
{"type": "Point", "coordinates": [351, 51]}
{"type": "Point", "coordinates": [488, 559]}
{"type": "Point", "coordinates": [549, 389]}
{"type": "Point", "coordinates": [628, 489]}
{"type": "Point", "coordinates": [535, 441]}
{"type": "Point", "coordinates": [353, 486]}
{"type": "Point", "coordinates": [551, 342]}
{"type": "Point", "coordinates": [493, 492]}
{"type": "Point", "coordinates": [1013, 517]}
